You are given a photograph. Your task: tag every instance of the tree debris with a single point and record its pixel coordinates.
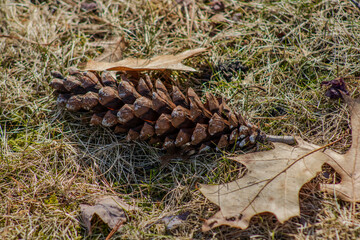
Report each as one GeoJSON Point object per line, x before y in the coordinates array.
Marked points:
{"type": "Point", "coordinates": [113, 49]}
{"type": "Point", "coordinates": [111, 209]}
{"type": "Point", "coordinates": [163, 62]}
{"type": "Point", "coordinates": [347, 165]}
{"type": "Point", "coordinates": [272, 184]}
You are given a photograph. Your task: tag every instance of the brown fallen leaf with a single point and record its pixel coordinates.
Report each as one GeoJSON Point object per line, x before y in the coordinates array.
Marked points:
{"type": "Point", "coordinates": [113, 50]}
{"type": "Point", "coordinates": [110, 209]}
{"type": "Point", "coordinates": [347, 165]}
{"type": "Point", "coordinates": [171, 62]}
{"type": "Point", "coordinates": [272, 184]}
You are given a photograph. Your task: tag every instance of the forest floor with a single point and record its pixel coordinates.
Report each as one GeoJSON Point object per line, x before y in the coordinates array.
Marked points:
{"type": "Point", "coordinates": [280, 52]}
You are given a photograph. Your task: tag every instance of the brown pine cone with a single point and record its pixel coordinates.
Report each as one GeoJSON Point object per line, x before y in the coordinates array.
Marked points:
{"type": "Point", "coordinates": [151, 112]}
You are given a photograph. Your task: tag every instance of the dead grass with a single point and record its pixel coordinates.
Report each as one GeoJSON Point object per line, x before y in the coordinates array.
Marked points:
{"type": "Point", "coordinates": [52, 161]}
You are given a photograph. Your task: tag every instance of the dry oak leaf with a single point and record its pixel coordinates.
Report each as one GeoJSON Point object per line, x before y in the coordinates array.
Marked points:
{"type": "Point", "coordinates": [347, 165]}
{"type": "Point", "coordinates": [163, 62]}
{"type": "Point", "coordinates": [272, 184]}
{"type": "Point", "coordinates": [110, 209]}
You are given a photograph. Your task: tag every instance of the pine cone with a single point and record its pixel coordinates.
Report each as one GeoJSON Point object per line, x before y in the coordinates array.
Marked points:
{"type": "Point", "coordinates": [151, 113]}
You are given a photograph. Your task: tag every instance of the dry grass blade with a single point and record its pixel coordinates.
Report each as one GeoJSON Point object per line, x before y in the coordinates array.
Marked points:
{"type": "Point", "coordinates": [356, 4]}
{"type": "Point", "coordinates": [22, 39]}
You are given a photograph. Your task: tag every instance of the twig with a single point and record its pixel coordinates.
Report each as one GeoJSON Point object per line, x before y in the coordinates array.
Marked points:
{"type": "Point", "coordinates": [283, 139]}
{"type": "Point", "coordinates": [114, 230]}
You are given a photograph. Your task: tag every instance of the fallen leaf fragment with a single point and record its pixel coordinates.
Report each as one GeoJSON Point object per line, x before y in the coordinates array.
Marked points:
{"type": "Point", "coordinates": [272, 184]}
{"type": "Point", "coordinates": [110, 209]}
{"type": "Point", "coordinates": [347, 165]}
{"type": "Point", "coordinates": [113, 50]}
{"type": "Point", "coordinates": [171, 62]}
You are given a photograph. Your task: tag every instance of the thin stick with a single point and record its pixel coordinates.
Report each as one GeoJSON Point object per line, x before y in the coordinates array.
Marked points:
{"type": "Point", "coordinates": [283, 139]}
{"type": "Point", "coordinates": [114, 230]}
